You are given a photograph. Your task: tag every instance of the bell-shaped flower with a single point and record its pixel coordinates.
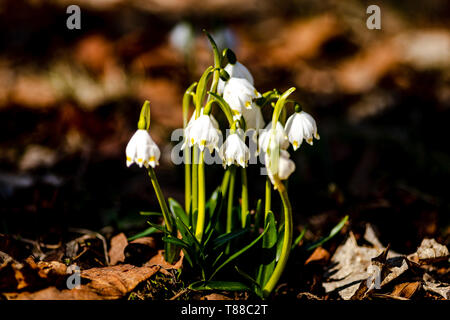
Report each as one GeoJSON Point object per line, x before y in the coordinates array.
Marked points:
{"type": "Point", "coordinates": [253, 117]}
{"type": "Point", "coordinates": [203, 133]}
{"type": "Point", "coordinates": [301, 126]}
{"type": "Point", "coordinates": [283, 169]}
{"type": "Point", "coordinates": [142, 150]}
{"type": "Point", "coordinates": [237, 70]}
{"type": "Point", "coordinates": [278, 133]}
{"type": "Point", "coordinates": [214, 121]}
{"type": "Point", "coordinates": [234, 150]}
{"type": "Point", "coordinates": [239, 94]}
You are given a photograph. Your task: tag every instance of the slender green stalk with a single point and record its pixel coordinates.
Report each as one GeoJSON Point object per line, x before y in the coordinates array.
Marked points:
{"type": "Point", "coordinates": [244, 196]}
{"type": "Point", "coordinates": [162, 201]}
{"type": "Point", "coordinates": [217, 61]}
{"type": "Point", "coordinates": [188, 95]}
{"type": "Point", "coordinates": [287, 241]}
{"type": "Point", "coordinates": [201, 199]}
{"type": "Point", "coordinates": [225, 182]}
{"type": "Point", "coordinates": [187, 180]}
{"type": "Point", "coordinates": [268, 198]}
{"type": "Point", "coordinates": [194, 178]}
{"type": "Point", "coordinates": [229, 224]}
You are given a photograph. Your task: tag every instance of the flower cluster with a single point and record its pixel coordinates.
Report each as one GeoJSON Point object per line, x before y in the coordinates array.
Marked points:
{"type": "Point", "coordinates": [230, 86]}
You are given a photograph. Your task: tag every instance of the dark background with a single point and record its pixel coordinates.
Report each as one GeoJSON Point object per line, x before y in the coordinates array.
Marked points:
{"type": "Point", "coordinates": [70, 99]}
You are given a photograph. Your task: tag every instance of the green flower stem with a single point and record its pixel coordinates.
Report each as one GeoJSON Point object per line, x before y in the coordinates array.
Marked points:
{"type": "Point", "coordinates": [287, 241]}
{"type": "Point", "coordinates": [268, 198]}
{"type": "Point", "coordinates": [188, 95]}
{"type": "Point", "coordinates": [187, 180]}
{"type": "Point", "coordinates": [279, 106]}
{"type": "Point", "coordinates": [244, 196]}
{"type": "Point", "coordinates": [225, 182]}
{"type": "Point", "coordinates": [217, 62]}
{"type": "Point", "coordinates": [194, 178]}
{"type": "Point", "coordinates": [229, 224]}
{"type": "Point", "coordinates": [162, 201]}
{"type": "Point", "coordinates": [201, 199]}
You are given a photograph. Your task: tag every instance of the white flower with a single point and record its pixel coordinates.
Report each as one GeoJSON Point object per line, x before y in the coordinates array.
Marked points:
{"type": "Point", "coordinates": [253, 117]}
{"type": "Point", "coordinates": [278, 133]}
{"type": "Point", "coordinates": [214, 121]}
{"type": "Point", "coordinates": [202, 133]}
{"type": "Point", "coordinates": [142, 150]}
{"type": "Point", "coordinates": [237, 70]}
{"type": "Point", "coordinates": [301, 126]}
{"type": "Point", "coordinates": [283, 169]}
{"type": "Point", "coordinates": [239, 94]}
{"type": "Point", "coordinates": [234, 151]}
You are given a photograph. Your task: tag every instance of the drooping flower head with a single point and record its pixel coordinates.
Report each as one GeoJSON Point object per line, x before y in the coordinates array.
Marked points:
{"type": "Point", "coordinates": [279, 134]}
{"type": "Point", "coordinates": [239, 94]}
{"type": "Point", "coordinates": [283, 169]}
{"type": "Point", "coordinates": [299, 126]}
{"type": "Point", "coordinates": [203, 133]}
{"type": "Point", "coordinates": [234, 150]}
{"type": "Point", "coordinates": [142, 150]}
{"type": "Point", "coordinates": [236, 70]}
{"type": "Point", "coordinates": [253, 117]}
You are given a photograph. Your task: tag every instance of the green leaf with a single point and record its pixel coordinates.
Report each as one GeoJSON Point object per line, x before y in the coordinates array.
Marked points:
{"type": "Point", "coordinates": [224, 238]}
{"type": "Point", "coordinates": [144, 233]}
{"type": "Point", "coordinates": [249, 278]}
{"type": "Point", "coordinates": [158, 227]}
{"type": "Point", "coordinates": [298, 239]}
{"type": "Point", "coordinates": [269, 250]}
{"type": "Point", "coordinates": [280, 240]}
{"type": "Point", "coordinates": [177, 242]}
{"type": "Point", "coordinates": [150, 213]}
{"type": "Point", "coordinates": [219, 285]}
{"type": "Point", "coordinates": [213, 206]}
{"type": "Point", "coordinates": [238, 253]}
{"type": "Point", "coordinates": [177, 211]}
{"type": "Point", "coordinates": [333, 232]}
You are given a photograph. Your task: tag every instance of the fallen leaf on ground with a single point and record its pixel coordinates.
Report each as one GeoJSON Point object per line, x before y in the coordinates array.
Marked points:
{"type": "Point", "coordinates": [215, 296]}
{"type": "Point", "coordinates": [106, 283]}
{"type": "Point", "coordinates": [443, 289]}
{"type": "Point", "coordinates": [406, 290]}
{"type": "Point", "coordinates": [158, 260]}
{"type": "Point", "coordinates": [320, 256]}
{"type": "Point", "coordinates": [431, 251]}
{"type": "Point", "coordinates": [116, 251]}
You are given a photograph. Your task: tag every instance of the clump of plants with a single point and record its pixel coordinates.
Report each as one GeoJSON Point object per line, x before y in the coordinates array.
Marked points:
{"type": "Point", "coordinates": [221, 238]}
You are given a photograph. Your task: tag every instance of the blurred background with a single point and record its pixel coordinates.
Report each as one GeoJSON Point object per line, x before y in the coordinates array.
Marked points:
{"type": "Point", "coordinates": [70, 100]}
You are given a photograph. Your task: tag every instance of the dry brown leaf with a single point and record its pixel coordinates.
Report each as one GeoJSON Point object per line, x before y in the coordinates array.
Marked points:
{"type": "Point", "coordinates": [158, 260]}
{"type": "Point", "coordinates": [106, 283]}
{"type": "Point", "coordinates": [215, 296]}
{"type": "Point", "coordinates": [116, 252]}
{"type": "Point", "coordinates": [319, 256]}
{"type": "Point", "coordinates": [116, 281]}
{"type": "Point", "coordinates": [431, 251]}
{"type": "Point", "coordinates": [406, 290]}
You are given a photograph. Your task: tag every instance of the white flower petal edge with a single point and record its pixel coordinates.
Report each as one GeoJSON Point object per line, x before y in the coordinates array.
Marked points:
{"type": "Point", "coordinates": [202, 132]}
{"type": "Point", "coordinates": [239, 94]}
{"type": "Point", "coordinates": [142, 150]}
{"type": "Point", "coordinates": [284, 169]}
{"type": "Point", "coordinates": [299, 126]}
{"type": "Point", "coordinates": [214, 121]}
{"type": "Point", "coordinates": [279, 133]}
{"type": "Point", "coordinates": [253, 117]}
{"type": "Point", "coordinates": [234, 151]}
{"type": "Point", "coordinates": [237, 70]}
